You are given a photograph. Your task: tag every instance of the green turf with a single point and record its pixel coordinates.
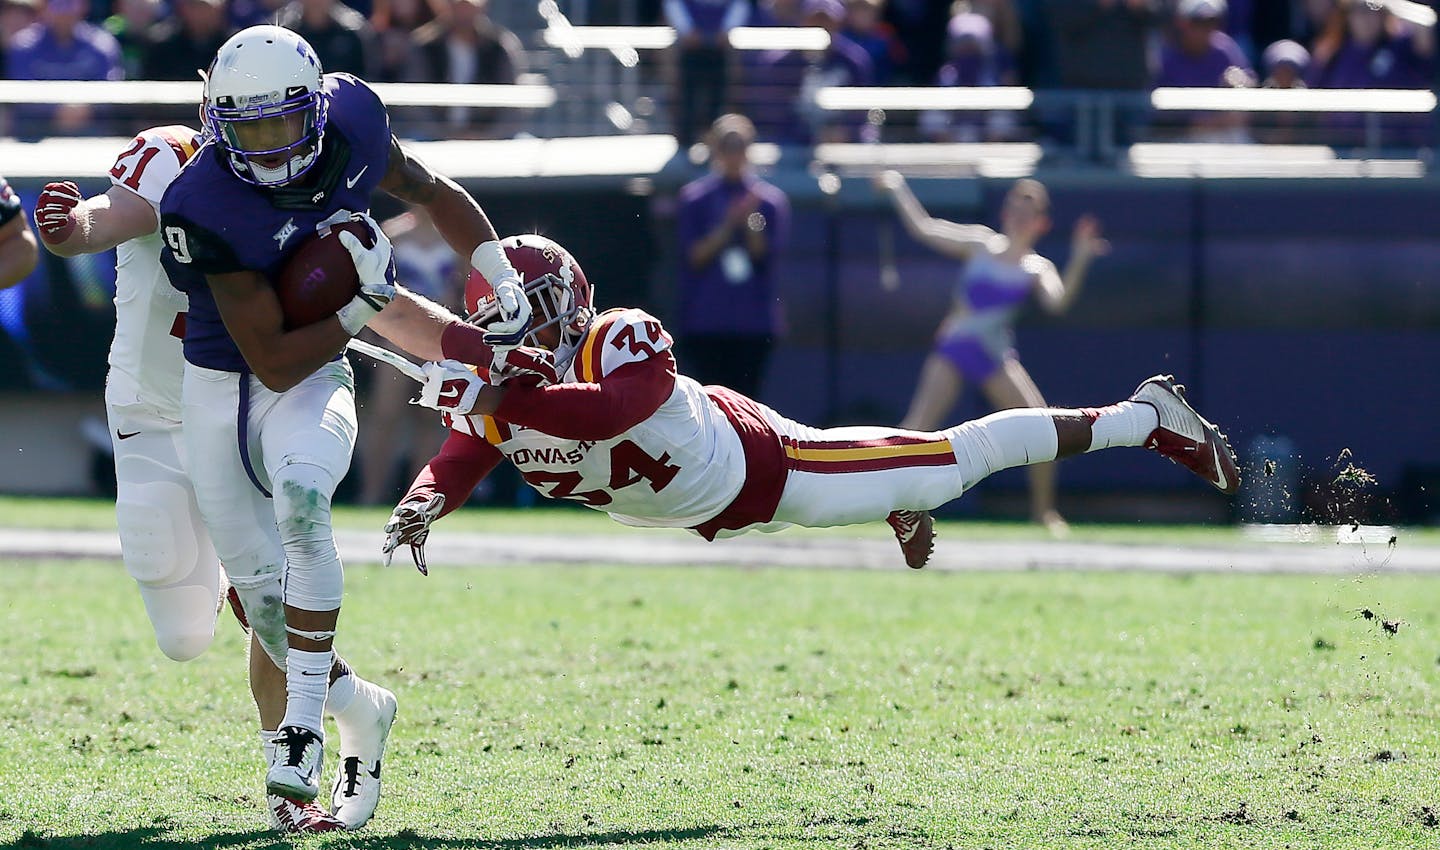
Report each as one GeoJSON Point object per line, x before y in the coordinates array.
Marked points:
{"type": "Point", "coordinates": [551, 707]}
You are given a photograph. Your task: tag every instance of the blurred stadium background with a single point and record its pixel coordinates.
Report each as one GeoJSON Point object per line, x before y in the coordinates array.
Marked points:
{"type": "Point", "coordinates": [1273, 243]}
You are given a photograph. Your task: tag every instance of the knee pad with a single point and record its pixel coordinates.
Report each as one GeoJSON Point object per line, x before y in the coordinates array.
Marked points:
{"type": "Point", "coordinates": [262, 595]}
{"type": "Point", "coordinates": [182, 616]}
{"type": "Point", "coordinates": [314, 579]}
{"type": "Point", "coordinates": [157, 540]}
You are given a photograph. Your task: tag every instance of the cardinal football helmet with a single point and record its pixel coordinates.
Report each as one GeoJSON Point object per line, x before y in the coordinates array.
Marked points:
{"type": "Point", "coordinates": [559, 294]}
{"type": "Point", "coordinates": [264, 106]}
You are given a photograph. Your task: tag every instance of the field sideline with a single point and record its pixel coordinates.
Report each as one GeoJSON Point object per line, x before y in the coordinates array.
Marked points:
{"type": "Point", "coordinates": [617, 704]}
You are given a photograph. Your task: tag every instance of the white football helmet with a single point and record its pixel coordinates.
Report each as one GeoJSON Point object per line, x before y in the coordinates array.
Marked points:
{"type": "Point", "coordinates": [263, 104]}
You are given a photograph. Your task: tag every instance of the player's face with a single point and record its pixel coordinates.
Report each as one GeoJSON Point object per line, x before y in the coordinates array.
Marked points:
{"type": "Point", "coordinates": [273, 136]}
{"type": "Point", "coordinates": [549, 337]}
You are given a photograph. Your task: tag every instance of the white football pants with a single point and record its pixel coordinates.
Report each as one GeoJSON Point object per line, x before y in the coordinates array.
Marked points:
{"type": "Point", "coordinates": [296, 445]}
{"type": "Point", "coordinates": [163, 540]}
{"type": "Point", "coordinates": [843, 476]}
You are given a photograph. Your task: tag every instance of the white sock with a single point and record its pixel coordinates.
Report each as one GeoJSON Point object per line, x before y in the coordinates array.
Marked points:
{"type": "Point", "coordinates": [357, 720]}
{"type": "Point", "coordinates": [341, 695]}
{"type": "Point", "coordinates": [1127, 423]}
{"type": "Point", "coordinates": [307, 678]}
{"type": "Point", "coordinates": [267, 745]}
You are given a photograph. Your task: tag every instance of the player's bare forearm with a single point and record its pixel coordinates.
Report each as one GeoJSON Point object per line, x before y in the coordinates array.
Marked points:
{"type": "Point", "coordinates": [279, 358]}
{"type": "Point", "coordinates": [104, 221]}
{"type": "Point", "coordinates": [18, 251]}
{"type": "Point", "coordinates": [414, 323]}
{"type": "Point", "coordinates": [460, 220]}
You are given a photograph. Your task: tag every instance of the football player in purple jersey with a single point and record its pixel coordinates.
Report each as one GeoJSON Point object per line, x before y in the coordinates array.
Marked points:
{"type": "Point", "coordinates": [269, 412]}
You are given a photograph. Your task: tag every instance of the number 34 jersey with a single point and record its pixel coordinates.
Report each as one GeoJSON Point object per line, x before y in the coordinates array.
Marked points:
{"type": "Point", "coordinates": [676, 468]}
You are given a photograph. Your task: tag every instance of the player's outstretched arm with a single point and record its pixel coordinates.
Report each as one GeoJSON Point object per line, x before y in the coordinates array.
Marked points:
{"type": "Point", "coordinates": [457, 216]}
{"type": "Point", "coordinates": [945, 237]}
{"type": "Point", "coordinates": [466, 229]}
{"type": "Point", "coordinates": [71, 224]}
{"type": "Point", "coordinates": [441, 486]}
{"type": "Point", "coordinates": [418, 325]}
{"type": "Point", "coordinates": [18, 251]}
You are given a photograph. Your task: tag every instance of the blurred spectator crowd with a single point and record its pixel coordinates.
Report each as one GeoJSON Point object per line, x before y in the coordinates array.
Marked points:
{"type": "Point", "coordinates": [1090, 45]}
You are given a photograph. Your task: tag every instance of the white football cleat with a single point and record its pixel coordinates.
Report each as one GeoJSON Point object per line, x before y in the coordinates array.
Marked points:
{"type": "Point", "coordinates": [286, 815]}
{"type": "Point", "coordinates": [1186, 437]}
{"type": "Point", "coordinates": [300, 755]}
{"type": "Point", "coordinates": [356, 791]}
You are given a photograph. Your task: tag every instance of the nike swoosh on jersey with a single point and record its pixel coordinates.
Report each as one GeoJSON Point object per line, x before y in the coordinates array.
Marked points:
{"type": "Point", "coordinates": [351, 181]}
{"type": "Point", "coordinates": [124, 436]}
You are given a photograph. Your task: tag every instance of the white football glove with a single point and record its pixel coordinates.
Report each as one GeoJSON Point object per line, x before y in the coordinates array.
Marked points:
{"type": "Point", "coordinates": [450, 387]}
{"type": "Point", "coordinates": [511, 363]}
{"type": "Point", "coordinates": [410, 524]}
{"type": "Point", "coordinates": [375, 267]}
{"type": "Point", "coordinates": [508, 331]}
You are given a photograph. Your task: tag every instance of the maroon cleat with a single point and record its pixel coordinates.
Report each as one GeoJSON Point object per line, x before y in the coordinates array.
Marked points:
{"type": "Point", "coordinates": [916, 532]}
{"type": "Point", "coordinates": [287, 815]}
{"type": "Point", "coordinates": [1186, 437]}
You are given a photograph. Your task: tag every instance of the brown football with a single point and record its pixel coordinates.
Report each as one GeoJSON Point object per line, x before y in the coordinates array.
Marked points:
{"type": "Point", "coordinates": [319, 278]}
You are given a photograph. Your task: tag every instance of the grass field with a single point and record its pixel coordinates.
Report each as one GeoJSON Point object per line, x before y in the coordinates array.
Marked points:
{"type": "Point", "coordinates": [611, 705]}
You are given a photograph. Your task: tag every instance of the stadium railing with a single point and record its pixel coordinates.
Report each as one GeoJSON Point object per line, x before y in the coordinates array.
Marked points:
{"type": "Point", "coordinates": [997, 131]}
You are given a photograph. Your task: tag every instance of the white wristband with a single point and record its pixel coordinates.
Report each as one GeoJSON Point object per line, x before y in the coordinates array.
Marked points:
{"type": "Point", "coordinates": [490, 261]}
{"type": "Point", "coordinates": [355, 315]}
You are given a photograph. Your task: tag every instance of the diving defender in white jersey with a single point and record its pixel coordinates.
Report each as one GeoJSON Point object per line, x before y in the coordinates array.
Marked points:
{"type": "Point", "coordinates": [597, 412]}
{"type": "Point", "coordinates": [163, 539]}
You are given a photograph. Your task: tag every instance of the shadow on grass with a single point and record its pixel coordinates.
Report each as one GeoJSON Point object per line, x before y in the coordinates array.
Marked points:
{"type": "Point", "coordinates": [156, 838]}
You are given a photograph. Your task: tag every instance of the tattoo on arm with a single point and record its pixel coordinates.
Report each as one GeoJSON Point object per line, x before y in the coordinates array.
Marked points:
{"type": "Point", "coordinates": [407, 178]}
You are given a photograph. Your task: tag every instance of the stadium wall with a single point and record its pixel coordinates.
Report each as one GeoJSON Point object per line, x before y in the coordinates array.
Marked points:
{"type": "Point", "coordinates": [1292, 307]}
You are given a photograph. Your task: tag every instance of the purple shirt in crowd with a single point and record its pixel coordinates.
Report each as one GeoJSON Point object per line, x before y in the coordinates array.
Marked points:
{"type": "Point", "coordinates": [707, 17]}
{"type": "Point", "coordinates": [1390, 64]}
{"type": "Point", "coordinates": [36, 54]}
{"type": "Point", "coordinates": [735, 293]}
{"type": "Point", "coordinates": [1204, 71]}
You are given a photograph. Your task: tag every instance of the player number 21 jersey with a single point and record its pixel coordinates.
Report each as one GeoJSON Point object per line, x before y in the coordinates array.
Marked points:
{"type": "Point", "coordinates": [677, 468]}
{"type": "Point", "coordinates": [146, 363]}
